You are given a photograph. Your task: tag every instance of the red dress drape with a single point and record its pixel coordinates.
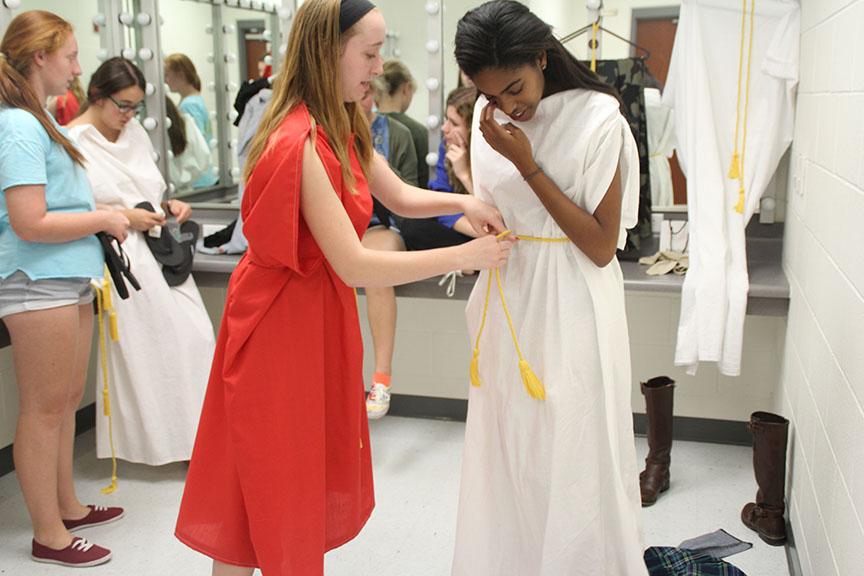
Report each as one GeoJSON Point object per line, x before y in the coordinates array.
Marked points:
{"type": "Point", "coordinates": [281, 469]}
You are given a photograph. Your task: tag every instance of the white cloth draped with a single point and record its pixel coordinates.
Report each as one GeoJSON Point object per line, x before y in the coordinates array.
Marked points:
{"type": "Point", "coordinates": [701, 88]}
{"type": "Point", "coordinates": [186, 168]}
{"type": "Point", "coordinates": [551, 487]}
{"type": "Point", "coordinates": [661, 145]}
{"type": "Point", "coordinates": [159, 368]}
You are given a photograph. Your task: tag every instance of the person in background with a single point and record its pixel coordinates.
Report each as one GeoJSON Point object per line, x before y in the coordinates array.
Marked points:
{"type": "Point", "coordinates": [282, 468]}
{"type": "Point", "coordinates": [65, 108]}
{"type": "Point", "coordinates": [189, 153]}
{"type": "Point", "coordinates": [394, 91]}
{"type": "Point", "coordinates": [419, 234]}
{"type": "Point", "coordinates": [48, 255]}
{"type": "Point", "coordinates": [158, 368]}
{"type": "Point", "coordinates": [182, 78]}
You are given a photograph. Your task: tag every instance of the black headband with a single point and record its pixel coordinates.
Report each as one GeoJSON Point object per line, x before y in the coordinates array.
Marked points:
{"type": "Point", "coordinates": [351, 11]}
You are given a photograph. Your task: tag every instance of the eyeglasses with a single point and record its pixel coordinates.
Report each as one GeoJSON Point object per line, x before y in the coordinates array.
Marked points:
{"type": "Point", "coordinates": [126, 108]}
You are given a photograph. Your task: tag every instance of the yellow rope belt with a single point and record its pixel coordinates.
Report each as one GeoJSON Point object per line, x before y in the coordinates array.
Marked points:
{"type": "Point", "coordinates": [533, 385]}
{"type": "Point", "coordinates": [736, 168]}
{"type": "Point", "coordinates": [104, 306]}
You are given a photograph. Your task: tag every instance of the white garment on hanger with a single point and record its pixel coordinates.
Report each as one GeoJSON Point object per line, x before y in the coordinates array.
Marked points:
{"type": "Point", "coordinates": [702, 90]}
{"type": "Point", "coordinates": [159, 368]}
{"type": "Point", "coordinates": [550, 488]}
{"type": "Point", "coordinates": [661, 145]}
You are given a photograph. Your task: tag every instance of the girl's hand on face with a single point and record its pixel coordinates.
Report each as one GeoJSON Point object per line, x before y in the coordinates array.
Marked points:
{"type": "Point", "coordinates": [507, 140]}
{"type": "Point", "coordinates": [457, 154]}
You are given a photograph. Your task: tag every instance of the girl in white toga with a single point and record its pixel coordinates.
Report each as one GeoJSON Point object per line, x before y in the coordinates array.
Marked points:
{"type": "Point", "coordinates": [549, 479]}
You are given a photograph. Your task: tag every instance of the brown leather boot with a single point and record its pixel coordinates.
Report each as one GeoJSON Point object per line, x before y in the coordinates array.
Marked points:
{"type": "Point", "coordinates": [658, 407]}
{"type": "Point", "coordinates": [765, 516]}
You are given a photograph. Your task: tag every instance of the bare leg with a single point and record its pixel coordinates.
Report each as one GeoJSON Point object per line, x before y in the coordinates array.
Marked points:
{"type": "Point", "coordinates": [381, 302]}
{"type": "Point", "coordinates": [222, 569]}
{"type": "Point", "coordinates": [70, 507]}
{"type": "Point", "coordinates": [44, 349]}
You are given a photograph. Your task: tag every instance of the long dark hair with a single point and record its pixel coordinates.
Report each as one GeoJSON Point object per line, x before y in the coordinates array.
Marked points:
{"type": "Point", "coordinates": [177, 130]}
{"type": "Point", "coordinates": [462, 99]}
{"type": "Point", "coordinates": [113, 75]}
{"type": "Point", "coordinates": [506, 34]}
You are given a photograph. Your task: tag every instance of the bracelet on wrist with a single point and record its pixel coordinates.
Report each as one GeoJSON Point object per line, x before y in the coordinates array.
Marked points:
{"type": "Point", "coordinates": [528, 177]}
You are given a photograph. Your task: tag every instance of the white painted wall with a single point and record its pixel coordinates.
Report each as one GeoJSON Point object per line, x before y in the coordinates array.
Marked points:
{"type": "Point", "coordinates": [822, 385]}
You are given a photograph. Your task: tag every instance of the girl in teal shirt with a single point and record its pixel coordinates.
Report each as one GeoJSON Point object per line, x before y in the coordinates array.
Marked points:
{"type": "Point", "coordinates": [48, 254]}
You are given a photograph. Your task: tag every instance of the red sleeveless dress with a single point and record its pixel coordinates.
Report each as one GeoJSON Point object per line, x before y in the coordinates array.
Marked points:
{"type": "Point", "coordinates": [281, 470]}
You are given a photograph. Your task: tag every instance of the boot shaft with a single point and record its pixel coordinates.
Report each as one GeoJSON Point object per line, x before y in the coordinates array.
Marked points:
{"type": "Point", "coordinates": [770, 438]}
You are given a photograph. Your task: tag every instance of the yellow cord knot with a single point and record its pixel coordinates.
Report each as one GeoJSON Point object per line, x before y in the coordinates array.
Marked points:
{"type": "Point", "coordinates": [475, 368]}
{"type": "Point", "coordinates": [735, 167]}
{"type": "Point", "coordinates": [739, 207]}
{"type": "Point", "coordinates": [533, 384]}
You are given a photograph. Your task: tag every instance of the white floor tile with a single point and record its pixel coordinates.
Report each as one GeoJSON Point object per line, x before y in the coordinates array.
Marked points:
{"type": "Point", "coordinates": [417, 465]}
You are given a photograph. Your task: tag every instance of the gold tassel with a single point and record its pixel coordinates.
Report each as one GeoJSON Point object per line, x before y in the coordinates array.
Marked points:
{"type": "Point", "coordinates": [106, 403]}
{"type": "Point", "coordinates": [475, 369]}
{"type": "Point", "coordinates": [739, 207]}
{"type": "Point", "coordinates": [735, 167]}
{"type": "Point", "coordinates": [532, 383]}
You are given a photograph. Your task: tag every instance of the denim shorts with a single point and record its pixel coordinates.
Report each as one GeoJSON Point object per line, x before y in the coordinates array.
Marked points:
{"type": "Point", "coordinates": [18, 293]}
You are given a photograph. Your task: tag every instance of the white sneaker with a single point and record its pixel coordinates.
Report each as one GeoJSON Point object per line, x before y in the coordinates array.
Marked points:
{"type": "Point", "coordinates": [378, 401]}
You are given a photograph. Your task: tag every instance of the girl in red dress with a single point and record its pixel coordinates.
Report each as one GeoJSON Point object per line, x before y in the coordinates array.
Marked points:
{"type": "Point", "coordinates": [281, 470]}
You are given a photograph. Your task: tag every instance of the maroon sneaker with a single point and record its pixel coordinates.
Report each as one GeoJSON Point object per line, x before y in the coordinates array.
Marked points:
{"type": "Point", "coordinates": [98, 515]}
{"type": "Point", "coordinates": [80, 553]}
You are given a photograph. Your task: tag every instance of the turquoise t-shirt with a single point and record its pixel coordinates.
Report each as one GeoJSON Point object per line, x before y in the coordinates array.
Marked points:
{"type": "Point", "coordinates": [194, 106]}
{"type": "Point", "coordinates": [29, 156]}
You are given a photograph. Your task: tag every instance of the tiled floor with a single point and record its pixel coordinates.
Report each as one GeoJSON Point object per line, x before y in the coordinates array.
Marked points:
{"type": "Point", "coordinates": [410, 533]}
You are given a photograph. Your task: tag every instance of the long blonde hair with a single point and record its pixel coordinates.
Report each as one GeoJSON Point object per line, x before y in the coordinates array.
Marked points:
{"type": "Point", "coordinates": [180, 64]}
{"type": "Point", "coordinates": [29, 33]}
{"type": "Point", "coordinates": [310, 75]}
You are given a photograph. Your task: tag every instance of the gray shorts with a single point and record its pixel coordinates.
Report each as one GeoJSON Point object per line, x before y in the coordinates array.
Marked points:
{"type": "Point", "coordinates": [18, 293]}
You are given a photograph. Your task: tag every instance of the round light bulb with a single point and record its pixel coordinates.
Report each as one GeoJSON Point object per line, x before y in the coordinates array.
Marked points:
{"type": "Point", "coordinates": [593, 4]}
{"type": "Point", "coordinates": [432, 46]}
{"type": "Point", "coordinates": [228, 28]}
{"type": "Point", "coordinates": [232, 144]}
{"type": "Point", "coordinates": [432, 121]}
{"type": "Point", "coordinates": [170, 153]}
{"type": "Point", "coordinates": [210, 58]}
{"type": "Point", "coordinates": [235, 172]}
{"type": "Point", "coordinates": [172, 188]}
{"type": "Point", "coordinates": [211, 86]}
{"type": "Point", "coordinates": [232, 115]}
{"type": "Point", "coordinates": [144, 19]}
{"type": "Point", "coordinates": [150, 123]}
{"type": "Point", "coordinates": [432, 159]}
{"type": "Point", "coordinates": [231, 87]}
{"type": "Point", "coordinates": [102, 55]}
{"type": "Point", "coordinates": [213, 143]}
{"type": "Point", "coordinates": [99, 20]}
{"type": "Point", "coordinates": [432, 84]}
{"type": "Point", "coordinates": [128, 53]}
{"type": "Point", "coordinates": [145, 54]}
{"type": "Point", "coordinates": [230, 58]}
{"type": "Point", "coordinates": [432, 8]}
{"type": "Point", "coordinates": [268, 60]}
{"type": "Point", "coordinates": [149, 89]}
{"type": "Point", "coordinates": [283, 49]}
{"type": "Point", "coordinates": [126, 18]}
{"type": "Point", "coordinates": [397, 52]}
{"type": "Point", "coordinates": [213, 114]}
{"type": "Point", "coordinates": [156, 156]}
{"type": "Point", "coordinates": [267, 34]}
{"type": "Point", "coordinates": [285, 13]}
{"type": "Point", "coordinates": [12, 4]}
{"type": "Point", "coordinates": [245, 3]}
{"type": "Point", "coordinates": [168, 123]}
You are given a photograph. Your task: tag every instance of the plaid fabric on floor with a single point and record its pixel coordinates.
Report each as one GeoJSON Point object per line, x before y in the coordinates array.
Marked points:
{"type": "Point", "coordinates": [669, 561]}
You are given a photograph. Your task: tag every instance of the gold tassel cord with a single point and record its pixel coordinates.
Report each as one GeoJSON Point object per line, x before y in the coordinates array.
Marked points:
{"type": "Point", "coordinates": [595, 27]}
{"type": "Point", "coordinates": [103, 307]}
{"type": "Point", "coordinates": [736, 167]}
{"type": "Point", "coordinates": [533, 384]}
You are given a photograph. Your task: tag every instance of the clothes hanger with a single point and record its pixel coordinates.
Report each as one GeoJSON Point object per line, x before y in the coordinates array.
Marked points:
{"type": "Point", "coordinates": [584, 29]}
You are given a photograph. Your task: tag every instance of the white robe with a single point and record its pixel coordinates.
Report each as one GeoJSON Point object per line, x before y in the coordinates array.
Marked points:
{"type": "Point", "coordinates": [550, 488]}
{"type": "Point", "coordinates": [661, 145]}
{"type": "Point", "coordinates": [702, 90]}
{"type": "Point", "coordinates": [186, 168]}
{"type": "Point", "coordinates": [158, 370]}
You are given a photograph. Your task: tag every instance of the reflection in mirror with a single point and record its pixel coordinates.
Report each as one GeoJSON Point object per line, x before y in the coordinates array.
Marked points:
{"type": "Point", "coordinates": [190, 83]}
